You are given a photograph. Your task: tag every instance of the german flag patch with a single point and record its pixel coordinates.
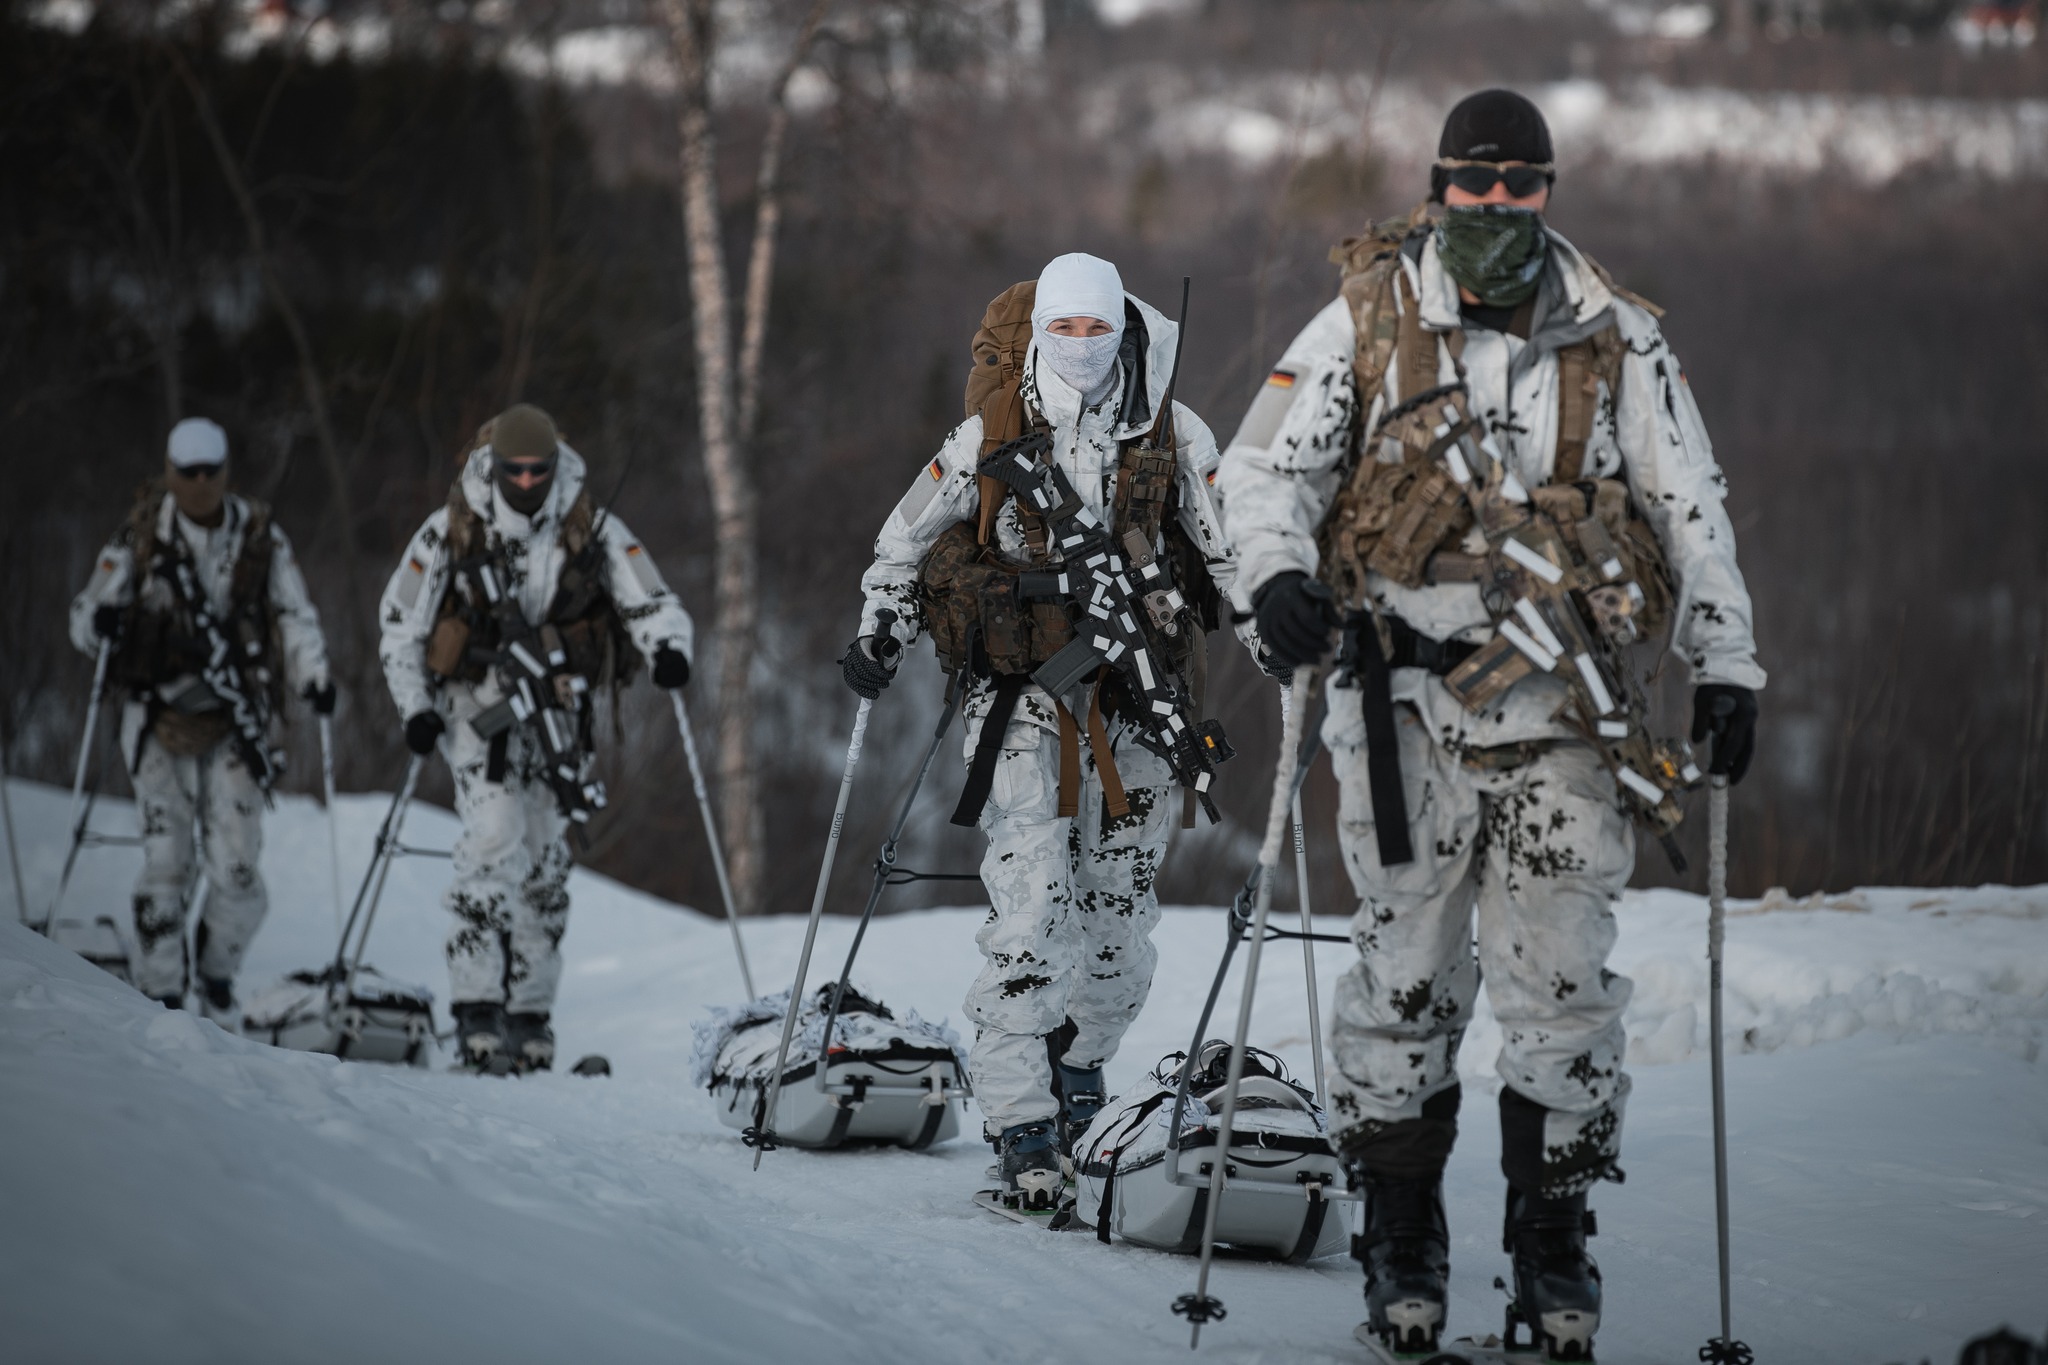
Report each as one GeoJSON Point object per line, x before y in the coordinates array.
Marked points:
{"type": "Point", "coordinates": [936, 469]}
{"type": "Point", "coordinates": [1280, 379]}
{"type": "Point", "coordinates": [1210, 477]}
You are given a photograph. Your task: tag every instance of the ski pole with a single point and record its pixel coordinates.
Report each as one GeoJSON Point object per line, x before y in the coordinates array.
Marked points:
{"type": "Point", "coordinates": [1724, 1349]}
{"type": "Point", "coordinates": [885, 863]}
{"type": "Point", "coordinates": [1199, 1307]}
{"type": "Point", "coordinates": [333, 818]}
{"type": "Point", "coordinates": [92, 720]}
{"type": "Point", "coordinates": [381, 854]}
{"type": "Point", "coordinates": [732, 914]}
{"type": "Point", "coordinates": [13, 849]}
{"type": "Point", "coordinates": [762, 1135]}
{"type": "Point", "coordinates": [1308, 943]}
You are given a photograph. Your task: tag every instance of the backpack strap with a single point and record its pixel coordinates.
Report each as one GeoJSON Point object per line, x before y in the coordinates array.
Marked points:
{"type": "Point", "coordinates": [1582, 368]}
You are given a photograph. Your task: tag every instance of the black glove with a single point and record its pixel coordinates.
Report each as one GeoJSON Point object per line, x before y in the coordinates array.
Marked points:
{"type": "Point", "coordinates": [422, 730]}
{"type": "Point", "coordinates": [106, 621]}
{"type": "Point", "coordinates": [320, 696]}
{"type": "Point", "coordinates": [870, 664]}
{"type": "Point", "coordinates": [671, 668]}
{"type": "Point", "coordinates": [1296, 616]}
{"type": "Point", "coordinates": [1728, 713]}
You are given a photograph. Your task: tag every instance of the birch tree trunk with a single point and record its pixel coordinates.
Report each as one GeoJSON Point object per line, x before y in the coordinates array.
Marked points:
{"type": "Point", "coordinates": [732, 486]}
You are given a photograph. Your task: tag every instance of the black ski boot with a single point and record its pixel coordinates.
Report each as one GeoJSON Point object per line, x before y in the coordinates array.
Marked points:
{"type": "Point", "coordinates": [1082, 1095]}
{"type": "Point", "coordinates": [1029, 1166]}
{"type": "Point", "coordinates": [1405, 1249]}
{"type": "Point", "coordinates": [530, 1041]}
{"type": "Point", "coordinates": [1557, 1285]}
{"type": "Point", "coordinates": [217, 1002]}
{"type": "Point", "coordinates": [480, 1025]}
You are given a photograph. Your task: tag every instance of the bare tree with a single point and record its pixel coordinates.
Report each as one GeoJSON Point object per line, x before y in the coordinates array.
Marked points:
{"type": "Point", "coordinates": [725, 433]}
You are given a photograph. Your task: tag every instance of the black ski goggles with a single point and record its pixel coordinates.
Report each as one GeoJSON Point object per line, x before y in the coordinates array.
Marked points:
{"type": "Point", "coordinates": [1479, 177]}
{"type": "Point", "coordinates": [523, 469]}
{"type": "Point", "coordinates": [198, 472]}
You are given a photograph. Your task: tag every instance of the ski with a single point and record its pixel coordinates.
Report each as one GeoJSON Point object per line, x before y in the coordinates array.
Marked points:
{"type": "Point", "coordinates": [596, 1064]}
{"type": "Point", "coordinates": [1463, 1351]}
{"type": "Point", "coordinates": [1062, 1217]}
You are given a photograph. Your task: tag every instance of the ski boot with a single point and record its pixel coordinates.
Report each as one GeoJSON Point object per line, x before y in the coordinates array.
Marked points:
{"type": "Point", "coordinates": [1082, 1095]}
{"type": "Point", "coordinates": [217, 1002]}
{"type": "Point", "coordinates": [530, 1041]}
{"type": "Point", "coordinates": [1405, 1249]}
{"type": "Point", "coordinates": [1557, 1285]}
{"type": "Point", "coordinates": [480, 1025]}
{"type": "Point", "coordinates": [1028, 1164]}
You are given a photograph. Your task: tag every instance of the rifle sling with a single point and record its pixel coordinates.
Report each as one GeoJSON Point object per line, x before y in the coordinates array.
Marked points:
{"type": "Point", "coordinates": [1114, 803]}
{"type": "Point", "coordinates": [988, 750]}
{"type": "Point", "coordinates": [1382, 748]}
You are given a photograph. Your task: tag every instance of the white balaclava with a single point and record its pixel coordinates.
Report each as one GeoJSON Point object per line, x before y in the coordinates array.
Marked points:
{"type": "Point", "coordinates": [1078, 285]}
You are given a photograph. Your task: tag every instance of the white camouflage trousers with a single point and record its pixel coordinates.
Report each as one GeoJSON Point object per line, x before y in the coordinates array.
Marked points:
{"type": "Point", "coordinates": [510, 897]}
{"type": "Point", "coordinates": [1069, 931]}
{"type": "Point", "coordinates": [216, 790]}
{"type": "Point", "coordinates": [1539, 850]}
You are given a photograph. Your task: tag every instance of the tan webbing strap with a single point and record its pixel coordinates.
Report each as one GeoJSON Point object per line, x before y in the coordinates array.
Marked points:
{"type": "Point", "coordinates": [1113, 799]}
{"type": "Point", "coordinates": [1070, 762]}
{"type": "Point", "coordinates": [1576, 396]}
{"type": "Point", "coordinates": [1415, 348]}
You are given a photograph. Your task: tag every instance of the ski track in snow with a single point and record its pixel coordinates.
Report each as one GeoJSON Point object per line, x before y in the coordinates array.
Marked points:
{"type": "Point", "coordinates": [171, 1193]}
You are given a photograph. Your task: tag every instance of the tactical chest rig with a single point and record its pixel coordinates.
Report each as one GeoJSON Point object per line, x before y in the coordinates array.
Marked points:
{"type": "Point", "coordinates": [1570, 572]}
{"type": "Point", "coordinates": [233, 686]}
{"type": "Point", "coordinates": [548, 672]}
{"type": "Point", "coordinates": [1092, 602]}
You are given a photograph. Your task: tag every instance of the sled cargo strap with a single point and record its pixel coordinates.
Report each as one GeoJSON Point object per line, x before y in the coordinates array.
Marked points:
{"type": "Point", "coordinates": [1114, 802]}
{"type": "Point", "coordinates": [1382, 751]}
{"type": "Point", "coordinates": [988, 750]}
{"type": "Point", "coordinates": [1070, 762]}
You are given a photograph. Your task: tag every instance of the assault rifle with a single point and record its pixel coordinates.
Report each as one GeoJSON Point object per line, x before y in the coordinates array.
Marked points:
{"type": "Point", "coordinates": [222, 673]}
{"type": "Point", "coordinates": [1563, 604]}
{"type": "Point", "coordinates": [1124, 608]}
{"type": "Point", "coordinates": [541, 692]}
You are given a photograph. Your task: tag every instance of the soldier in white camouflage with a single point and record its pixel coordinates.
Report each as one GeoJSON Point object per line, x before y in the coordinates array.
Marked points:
{"type": "Point", "coordinates": [1512, 814]}
{"type": "Point", "coordinates": [1077, 823]}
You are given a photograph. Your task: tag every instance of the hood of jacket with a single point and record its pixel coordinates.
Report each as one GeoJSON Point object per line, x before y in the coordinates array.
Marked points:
{"type": "Point", "coordinates": [480, 488]}
{"type": "Point", "coordinates": [1144, 368]}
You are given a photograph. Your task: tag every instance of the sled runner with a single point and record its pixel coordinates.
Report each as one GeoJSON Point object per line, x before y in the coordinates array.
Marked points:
{"type": "Point", "coordinates": [368, 1019]}
{"type": "Point", "coordinates": [1150, 1187]}
{"type": "Point", "coordinates": [885, 1079]}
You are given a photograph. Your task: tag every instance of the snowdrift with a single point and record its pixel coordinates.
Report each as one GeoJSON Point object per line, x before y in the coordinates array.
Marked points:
{"type": "Point", "coordinates": [171, 1193]}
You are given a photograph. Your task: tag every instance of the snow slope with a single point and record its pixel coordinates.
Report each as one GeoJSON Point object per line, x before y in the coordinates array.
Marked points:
{"type": "Point", "coordinates": [171, 1193]}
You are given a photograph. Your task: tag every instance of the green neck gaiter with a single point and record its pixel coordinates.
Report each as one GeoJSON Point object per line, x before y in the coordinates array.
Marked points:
{"type": "Point", "coordinates": [1494, 250]}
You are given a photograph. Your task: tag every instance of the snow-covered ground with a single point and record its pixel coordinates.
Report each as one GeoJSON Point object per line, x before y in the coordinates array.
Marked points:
{"type": "Point", "coordinates": [172, 1194]}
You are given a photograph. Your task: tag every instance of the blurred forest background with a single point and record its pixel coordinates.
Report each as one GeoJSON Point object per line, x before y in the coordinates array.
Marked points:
{"type": "Point", "coordinates": [352, 231]}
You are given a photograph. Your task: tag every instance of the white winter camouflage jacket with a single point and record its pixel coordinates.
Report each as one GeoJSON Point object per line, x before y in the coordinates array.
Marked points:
{"type": "Point", "coordinates": [1285, 465]}
{"type": "Point", "coordinates": [214, 553]}
{"type": "Point", "coordinates": [1087, 445]}
{"type": "Point", "coordinates": [534, 560]}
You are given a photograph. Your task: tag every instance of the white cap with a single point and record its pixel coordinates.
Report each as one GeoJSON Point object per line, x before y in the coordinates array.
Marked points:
{"type": "Point", "coordinates": [1078, 285]}
{"type": "Point", "coordinates": [197, 441]}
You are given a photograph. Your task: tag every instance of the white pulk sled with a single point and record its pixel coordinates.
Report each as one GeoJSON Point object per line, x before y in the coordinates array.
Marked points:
{"type": "Point", "coordinates": [347, 1009]}
{"type": "Point", "coordinates": [880, 1078]}
{"type": "Point", "coordinates": [1145, 1179]}
{"type": "Point", "coordinates": [884, 1079]}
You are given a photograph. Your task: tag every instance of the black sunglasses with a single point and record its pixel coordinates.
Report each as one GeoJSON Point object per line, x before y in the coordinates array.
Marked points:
{"type": "Point", "coordinates": [524, 469]}
{"type": "Point", "coordinates": [1479, 177]}
{"type": "Point", "coordinates": [200, 471]}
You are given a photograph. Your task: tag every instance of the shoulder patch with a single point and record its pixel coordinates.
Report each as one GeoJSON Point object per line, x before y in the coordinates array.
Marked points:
{"type": "Point", "coordinates": [644, 572]}
{"type": "Point", "coordinates": [1268, 411]}
{"type": "Point", "coordinates": [410, 578]}
{"type": "Point", "coordinates": [921, 493]}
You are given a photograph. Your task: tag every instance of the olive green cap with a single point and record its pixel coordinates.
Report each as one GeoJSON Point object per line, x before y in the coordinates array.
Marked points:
{"type": "Point", "coordinates": [524, 432]}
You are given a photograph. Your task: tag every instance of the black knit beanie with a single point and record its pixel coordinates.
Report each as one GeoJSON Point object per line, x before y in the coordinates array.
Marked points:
{"type": "Point", "coordinates": [1493, 125]}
